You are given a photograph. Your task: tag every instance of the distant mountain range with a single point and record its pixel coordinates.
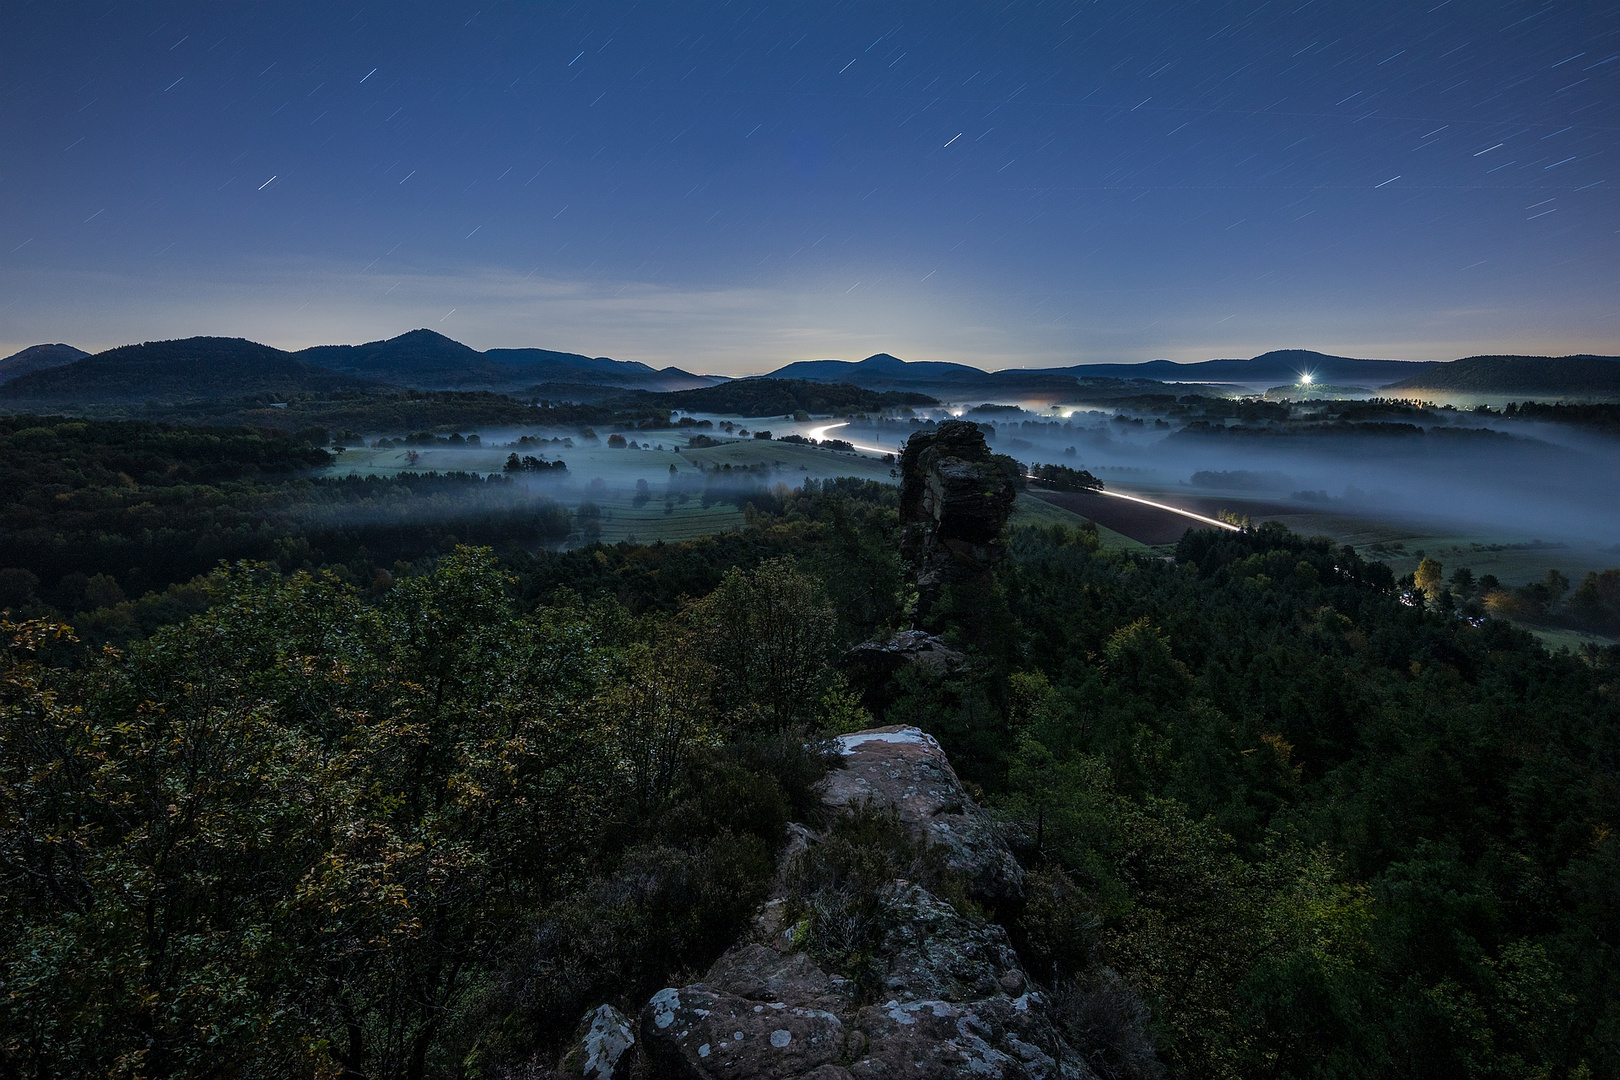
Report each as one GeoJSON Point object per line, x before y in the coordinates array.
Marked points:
{"type": "Point", "coordinates": [546, 366]}
{"type": "Point", "coordinates": [1279, 365]}
{"type": "Point", "coordinates": [1556, 376]}
{"type": "Point", "coordinates": [431, 361]}
{"type": "Point", "coordinates": [203, 367]}
{"type": "Point", "coordinates": [170, 371]}
{"type": "Point", "coordinates": [212, 368]}
{"type": "Point", "coordinates": [885, 372]}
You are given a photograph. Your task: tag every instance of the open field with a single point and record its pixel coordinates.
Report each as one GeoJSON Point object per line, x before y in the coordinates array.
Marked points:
{"type": "Point", "coordinates": [1145, 525]}
{"type": "Point", "coordinates": [1513, 559]}
{"type": "Point", "coordinates": [1032, 510]}
{"type": "Point", "coordinates": [608, 477]}
{"type": "Point", "coordinates": [1573, 640]}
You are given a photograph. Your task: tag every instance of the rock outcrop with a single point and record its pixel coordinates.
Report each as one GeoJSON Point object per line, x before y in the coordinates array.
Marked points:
{"type": "Point", "coordinates": [950, 998]}
{"type": "Point", "coordinates": [600, 1049]}
{"type": "Point", "coordinates": [955, 498]}
{"type": "Point", "coordinates": [871, 666]}
{"type": "Point", "coordinates": [904, 768]}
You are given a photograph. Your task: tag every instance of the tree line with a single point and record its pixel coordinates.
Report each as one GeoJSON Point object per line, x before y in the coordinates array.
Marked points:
{"type": "Point", "coordinates": [1278, 820]}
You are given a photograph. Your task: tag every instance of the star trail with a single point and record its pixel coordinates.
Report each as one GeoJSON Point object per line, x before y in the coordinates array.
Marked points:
{"type": "Point", "coordinates": [731, 186]}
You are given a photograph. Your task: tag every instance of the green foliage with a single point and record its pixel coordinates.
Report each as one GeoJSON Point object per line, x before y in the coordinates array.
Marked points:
{"type": "Point", "coordinates": [300, 833]}
{"type": "Point", "coordinates": [1428, 575]}
{"type": "Point", "coordinates": [412, 817]}
{"type": "Point", "coordinates": [1318, 831]}
{"type": "Point", "coordinates": [1539, 601]}
{"type": "Point", "coordinates": [1064, 478]}
{"type": "Point", "coordinates": [1602, 415]}
{"type": "Point", "coordinates": [1595, 605]}
{"type": "Point", "coordinates": [117, 517]}
{"type": "Point", "coordinates": [769, 633]}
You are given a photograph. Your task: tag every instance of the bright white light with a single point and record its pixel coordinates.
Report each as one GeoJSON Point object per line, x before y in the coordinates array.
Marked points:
{"type": "Point", "coordinates": [1305, 379]}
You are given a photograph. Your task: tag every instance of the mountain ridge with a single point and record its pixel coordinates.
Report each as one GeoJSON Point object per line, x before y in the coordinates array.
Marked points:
{"type": "Point", "coordinates": [38, 358]}
{"type": "Point", "coordinates": [1574, 375]}
{"type": "Point", "coordinates": [183, 369]}
{"type": "Point", "coordinates": [190, 368]}
{"type": "Point", "coordinates": [1267, 368]}
{"type": "Point", "coordinates": [217, 367]}
{"type": "Point", "coordinates": [426, 359]}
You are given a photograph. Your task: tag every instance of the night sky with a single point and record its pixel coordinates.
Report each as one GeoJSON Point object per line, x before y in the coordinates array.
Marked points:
{"type": "Point", "coordinates": [732, 186]}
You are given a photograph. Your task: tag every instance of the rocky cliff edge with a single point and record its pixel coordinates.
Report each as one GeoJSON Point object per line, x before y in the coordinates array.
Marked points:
{"type": "Point", "coordinates": [938, 992]}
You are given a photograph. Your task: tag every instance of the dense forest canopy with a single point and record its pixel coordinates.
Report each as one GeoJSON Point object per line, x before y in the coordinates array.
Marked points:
{"type": "Point", "coordinates": [403, 798]}
{"type": "Point", "coordinates": [121, 520]}
{"type": "Point", "coordinates": [391, 412]}
{"type": "Point", "coordinates": [1213, 764]}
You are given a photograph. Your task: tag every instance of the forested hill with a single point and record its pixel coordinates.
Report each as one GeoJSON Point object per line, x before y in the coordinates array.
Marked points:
{"type": "Point", "coordinates": [428, 360]}
{"type": "Point", "coordinates": [419, 358]}
{"type": "Point", "coordinates": [1571, 376]}
{"type": "Point", "coordinates": [196, 368]}
{"type": "Point", "coordinates": [171, 371]}
{"type": "Point", "coordinates": [38, 358]}
{"type": "Point", "coordinates": [113, 522]}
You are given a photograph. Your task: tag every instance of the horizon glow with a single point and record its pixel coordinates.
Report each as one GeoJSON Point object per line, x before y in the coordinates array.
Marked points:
{"type": "Point", "coordinates": [729, 191]}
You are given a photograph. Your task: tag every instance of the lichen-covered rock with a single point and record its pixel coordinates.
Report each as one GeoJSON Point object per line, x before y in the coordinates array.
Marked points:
{"type": "Point", "coordinates": [753, 970]}
{"type": "Point", "coordinates": [987, 1038]}
{"type": "Point", "coordinates": [960, 1007]}
{"type": "Point", "coordinates": [906, 647]}
{"type": "Point", "coordinates": [600, 1049]}
{"type": "Point", "coordinates": [933, 952]}
{"type": "Point", "coordinates": [960, 1003]}
{"type": "Point", "coordinates": [904, 768]}
{"type": "Point", "coordinates": [698, 1032]}
{"type": "Point", "coordinates": [952, 998]}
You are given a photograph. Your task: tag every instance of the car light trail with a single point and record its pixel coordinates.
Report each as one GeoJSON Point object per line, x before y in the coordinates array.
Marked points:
{"type": "Point", "coordinates": [820, 433]}
{"type": "Point", "coordinates": [1219, 524]}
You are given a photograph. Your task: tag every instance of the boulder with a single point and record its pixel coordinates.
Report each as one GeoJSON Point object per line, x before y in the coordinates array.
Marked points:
{"type": "Point", "coordinates": [956, 1003]}
{"type": "Point", "coordinates": [708, 1034]}
{"type": "Point", "coordinates": [600, 1049]}
{"type": "Point", "coordinates": [903, 768]}
{"type": "Point", "coordinates": [952, 998]}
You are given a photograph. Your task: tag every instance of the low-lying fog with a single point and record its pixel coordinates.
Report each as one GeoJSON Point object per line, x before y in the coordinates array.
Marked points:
{"type": "Point", "coordinates": [1468, 473]}
{"type": "Point", "coordinates": [1472, 473]}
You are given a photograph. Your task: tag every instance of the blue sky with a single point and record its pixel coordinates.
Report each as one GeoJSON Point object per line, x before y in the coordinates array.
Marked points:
{"type": "Point", "coordinates": [732, 186]}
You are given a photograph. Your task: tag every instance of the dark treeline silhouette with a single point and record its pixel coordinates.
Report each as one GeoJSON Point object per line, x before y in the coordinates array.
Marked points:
{"type": "Point", "coordinates": [1064, 478]}
{"type": "Point", "coordinates": [115, 517]}
{"type": "Point", "coordinates": [1603, 416]}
